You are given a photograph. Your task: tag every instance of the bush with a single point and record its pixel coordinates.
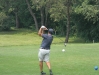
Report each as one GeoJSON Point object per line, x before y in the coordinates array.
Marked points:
{"type": "Point", "coordinates": [7, 24]}
{"type": "Point", "coordinates": [5, 28]}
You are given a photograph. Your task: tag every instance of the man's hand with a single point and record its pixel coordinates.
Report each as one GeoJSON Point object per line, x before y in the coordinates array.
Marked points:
{"type": "Point", "coordinates": [41, 30]}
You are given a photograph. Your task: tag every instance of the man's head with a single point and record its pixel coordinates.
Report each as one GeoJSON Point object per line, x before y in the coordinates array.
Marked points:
{"type": "Point", "coordinates": [50, 31]}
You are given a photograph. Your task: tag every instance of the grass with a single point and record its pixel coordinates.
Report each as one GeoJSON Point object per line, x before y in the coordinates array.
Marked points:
{"type": "Point", "coordinates": [79, 59]}
{"type": "Point", "coordinates": [19, 55]}
{"type": "Point", "coordinates": [28, 37]}
{"type": "Point", "coordinates": [20, 37]}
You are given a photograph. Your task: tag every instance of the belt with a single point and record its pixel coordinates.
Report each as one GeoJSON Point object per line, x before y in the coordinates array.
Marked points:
{"type": "Point", "coordinates": [44, 48]}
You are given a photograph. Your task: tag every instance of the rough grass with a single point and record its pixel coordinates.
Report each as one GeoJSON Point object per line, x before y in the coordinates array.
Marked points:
{"type": "Point", "coordinates": [19, 37]}
{"type": "Point", "coordinates": [28, 37]}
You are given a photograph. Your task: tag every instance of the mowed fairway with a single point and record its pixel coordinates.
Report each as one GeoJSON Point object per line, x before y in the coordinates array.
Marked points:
{"type": "Point", "coordinates": [19, 55]}
{"type": "Point", "coordinates": [78, 59]}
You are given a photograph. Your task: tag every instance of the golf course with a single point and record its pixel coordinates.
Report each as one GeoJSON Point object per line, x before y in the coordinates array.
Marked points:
{"type": "Point", "coordinates": [19, 55]}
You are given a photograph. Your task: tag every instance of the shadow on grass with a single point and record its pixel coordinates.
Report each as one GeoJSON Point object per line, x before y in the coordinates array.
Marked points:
{"type": "Point", "coordinates": [17, 31]}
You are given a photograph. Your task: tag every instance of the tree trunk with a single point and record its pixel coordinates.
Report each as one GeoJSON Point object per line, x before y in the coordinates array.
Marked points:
{"type": "Point", "coordinates": [42, 16]}
{"type": "Point", "coordinates": [33, 15]}
{"type": "Point", "coordinates": [68, 21]}
{"type": "Point", "coordinates": [46, 16]}
{"type": "Point", "coordinates": [17, 20]}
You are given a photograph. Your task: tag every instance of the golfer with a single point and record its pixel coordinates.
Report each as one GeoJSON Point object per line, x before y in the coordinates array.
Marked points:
{"type": "Point", "coordinates": [44, 50]}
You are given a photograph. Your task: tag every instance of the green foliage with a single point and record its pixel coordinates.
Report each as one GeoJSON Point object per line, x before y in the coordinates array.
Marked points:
{"type": "Point", "coordinates": [2, 16]}
{"type": "Point", "coordinates": [38, 4]}
{"type": "Point", "coordinates": [90, 9]}
{"type": "Point", "coordinates": [25, 18]}
{"type": "Point", "coordinates": [58, 10]}
{"type": "Point", "coordinates": [86, 29]}
{"type": "Point", "coordinates": [6, 21]}
{"type": "Point", "coordinates": [86, 19]}
{"type": "Point", "coordinates": [4, 25]}
{"type": "Point", "coordinates": [7, 24]}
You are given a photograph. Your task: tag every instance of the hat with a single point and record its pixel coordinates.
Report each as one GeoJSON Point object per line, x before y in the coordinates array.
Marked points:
{"type": "Point", "coordinates": [50, 30]}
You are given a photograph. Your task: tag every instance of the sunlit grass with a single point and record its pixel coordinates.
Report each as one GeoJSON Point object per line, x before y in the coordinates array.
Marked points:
{"type": "Point", "coordinates": [25, 37]}
{"type": "Point", "coordinates": [28, 37]}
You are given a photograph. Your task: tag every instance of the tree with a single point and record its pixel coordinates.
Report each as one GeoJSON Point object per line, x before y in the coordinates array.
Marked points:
{"type": "Point", "coordinates": [33, 15]}
{"type": "Point", "coordinates": [89, 9]}
{"type": "Point", "coordinates": [42, 6]}
{"type": "Point", "coordinates": [4, 7]}
{"type": "Point", "coordinates": [15, 7]}
{"type": "Point", "coordinates": [68, 20]}
{"type": "Point", "coordinates": [2, 18]}
{"type": "Point", "coordinates": [61, 10]}
{"type": "Point", "coordinates": [87, 19]}
{"type": "Point", "coordinates": [10, 7]}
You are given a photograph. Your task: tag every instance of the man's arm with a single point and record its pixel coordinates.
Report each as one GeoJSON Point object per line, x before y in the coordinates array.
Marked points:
{"type": "Point", "coordinates": [41, 31]}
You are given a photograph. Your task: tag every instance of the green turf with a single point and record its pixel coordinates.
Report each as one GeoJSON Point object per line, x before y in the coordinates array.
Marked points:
{"type": "Point", "coordinates": [19, 55]}
{"type": "Point", "coordinates": [20, 37]}
{"type": "Point", "coordinates": [28, 37]}
{"type": "Point", "coordinates": [78, 59]}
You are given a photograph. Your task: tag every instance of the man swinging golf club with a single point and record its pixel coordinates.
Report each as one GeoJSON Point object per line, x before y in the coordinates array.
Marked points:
{"type": "Point", "coordinates": [44, 50]}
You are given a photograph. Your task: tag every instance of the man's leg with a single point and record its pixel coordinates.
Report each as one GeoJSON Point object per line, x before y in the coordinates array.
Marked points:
{"type": "Point", "coordinates": [49, 67]}
{"type": "Point", "coordinates": [41, 67]}
{"type": "Point", "coordinates": [47, 61]}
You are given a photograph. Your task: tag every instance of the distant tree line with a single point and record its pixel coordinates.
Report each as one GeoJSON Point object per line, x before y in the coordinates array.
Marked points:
{"type": "Point", "coordinates": [67, 17]}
